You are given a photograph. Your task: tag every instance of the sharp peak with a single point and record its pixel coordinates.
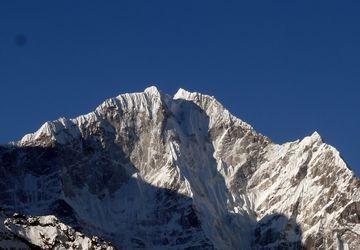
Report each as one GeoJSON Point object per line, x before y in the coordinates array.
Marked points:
{"type": "Point", "coordinates": [186, 94]}
{"type": "Point", "coordinates": [316, 137]}
{"type": "Point", "coordinates": [181, 92]}
{"type": "Point", "coordinates": [152, 90]}
{"type": "Point", "coordinates": [316, 134]}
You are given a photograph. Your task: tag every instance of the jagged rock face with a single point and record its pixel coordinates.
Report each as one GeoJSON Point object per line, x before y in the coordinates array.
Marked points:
{"type": "Point", "coordinates": [45, 232]}
{"type": "Point", "coordinates": [147, 170]}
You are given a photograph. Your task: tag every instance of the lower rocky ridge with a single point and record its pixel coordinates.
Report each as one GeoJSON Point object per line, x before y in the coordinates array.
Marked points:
{"type": "Point", "coordinates": [44, 232]}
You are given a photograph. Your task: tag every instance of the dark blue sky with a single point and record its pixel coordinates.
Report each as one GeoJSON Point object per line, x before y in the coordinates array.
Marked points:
{"type": "Point", "coordinates": [286, 68]}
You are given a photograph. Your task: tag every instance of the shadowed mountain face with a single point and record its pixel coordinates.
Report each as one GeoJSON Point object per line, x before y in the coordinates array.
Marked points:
{"type": "Point", "coordinates": [147, 170]}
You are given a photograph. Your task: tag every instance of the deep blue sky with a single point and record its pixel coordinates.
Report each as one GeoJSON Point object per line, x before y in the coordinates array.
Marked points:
{"type": "Point", "coordinates": [286, 68]}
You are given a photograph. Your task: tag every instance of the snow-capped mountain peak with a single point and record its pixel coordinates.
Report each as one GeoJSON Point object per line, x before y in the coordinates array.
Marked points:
{"type": "Point", "coordinates": [147, 170]}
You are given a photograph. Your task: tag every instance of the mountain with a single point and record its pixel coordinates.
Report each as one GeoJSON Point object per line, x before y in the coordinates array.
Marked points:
{"type": "Point", "coordinates": [152, 171]}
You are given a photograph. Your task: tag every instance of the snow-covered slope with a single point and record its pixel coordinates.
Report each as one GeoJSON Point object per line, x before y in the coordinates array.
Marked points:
{"type": "Point", "coordinates": [148, 170]}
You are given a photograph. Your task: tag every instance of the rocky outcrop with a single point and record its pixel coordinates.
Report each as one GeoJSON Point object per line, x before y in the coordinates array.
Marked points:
{"type": "Point", "coordinates": [47, 232]}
